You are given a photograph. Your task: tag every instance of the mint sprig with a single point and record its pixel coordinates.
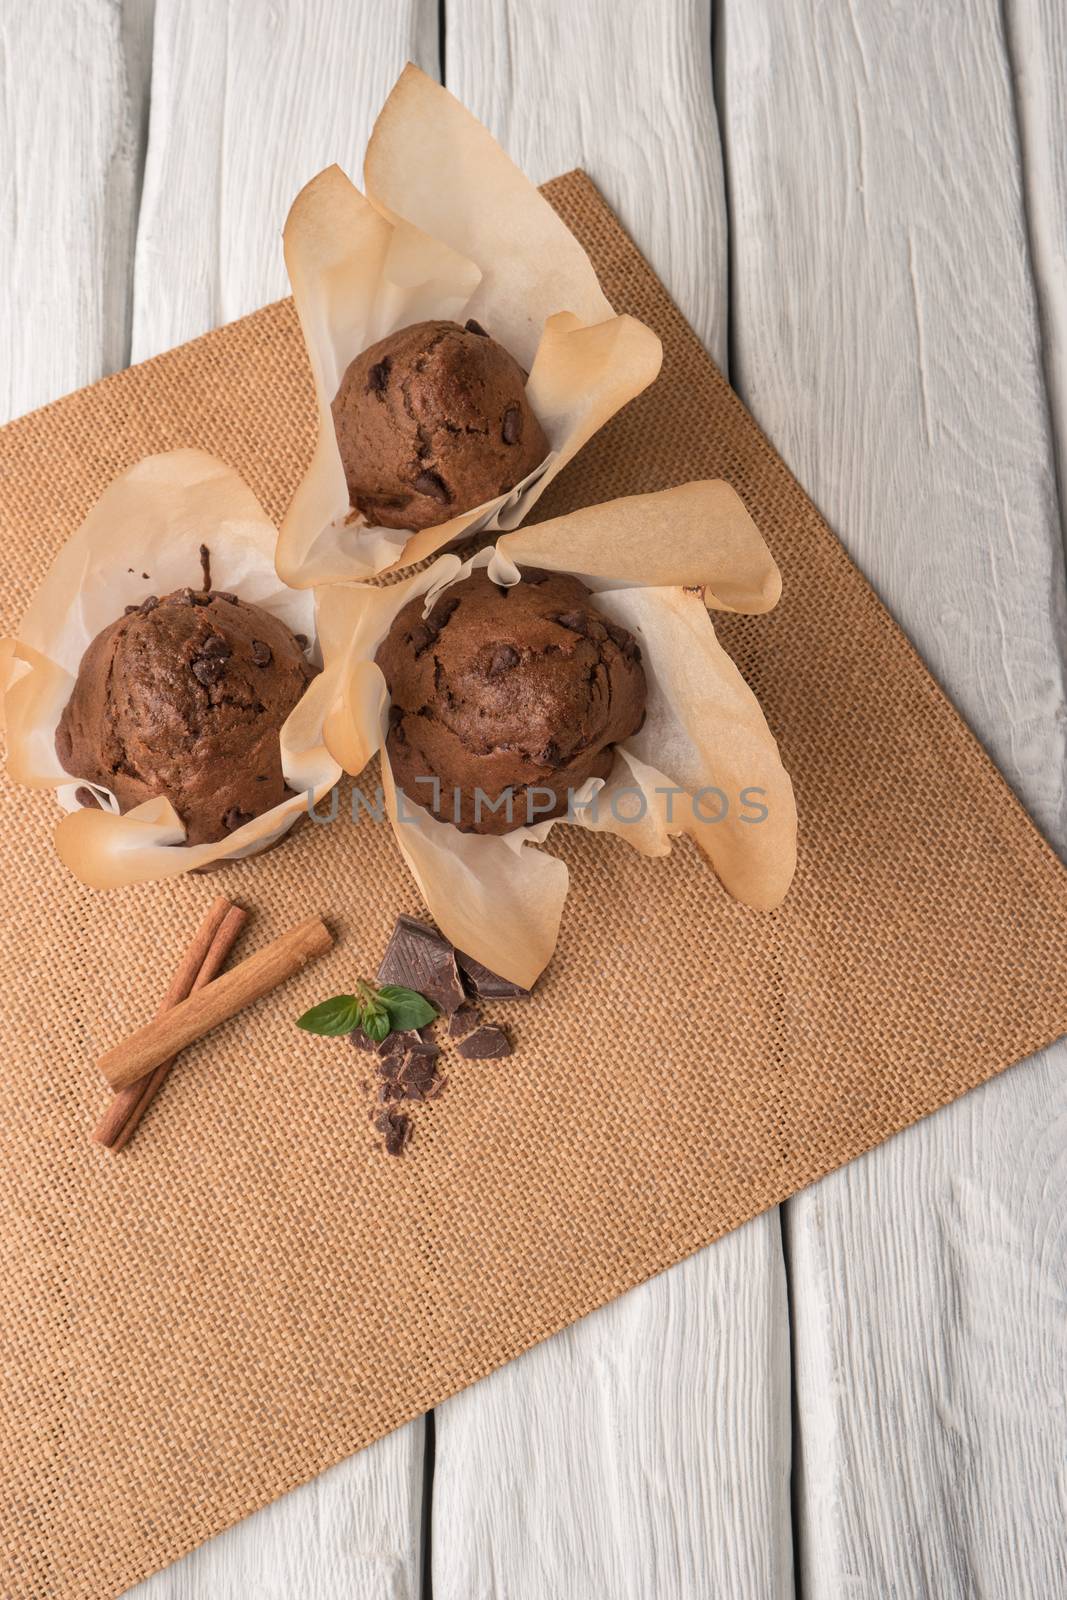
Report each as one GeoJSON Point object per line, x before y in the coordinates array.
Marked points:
{"type": "Point", "coordinates": [377, 1011]}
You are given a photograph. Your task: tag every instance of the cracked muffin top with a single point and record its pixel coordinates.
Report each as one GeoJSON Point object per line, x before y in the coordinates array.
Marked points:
{"type": "Point", "coordinates": [185, 697]}
{"type": "Point", "coordinates": [522, 691]}
{"type": "Point", "coordinates": [432, 421]}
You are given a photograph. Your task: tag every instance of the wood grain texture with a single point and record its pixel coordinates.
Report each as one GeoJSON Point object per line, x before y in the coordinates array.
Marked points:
{"type": "Point", "coordinates": [1036, 36]}
{"type": "Point", "coordinates": [248, 102]}
{"type": "Point", "coordinates": [886, 335]}
{"type": "Point", "coordinates": [644, 1452]}
{"type": "Point", "coordinates": [73, 80]}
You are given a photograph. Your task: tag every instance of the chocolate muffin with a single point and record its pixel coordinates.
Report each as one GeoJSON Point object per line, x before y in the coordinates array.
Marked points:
{"type": "Point", "coordinates": [503, 690]}
{"type": "Point", "coordinates": [431, 421]}
{"type": "Point", "coordinates": [185, 697]}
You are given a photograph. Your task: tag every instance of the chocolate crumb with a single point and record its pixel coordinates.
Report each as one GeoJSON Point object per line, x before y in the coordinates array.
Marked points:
{"type": "Point", "coordinates": [396, 1128]}
{"type": "Point", "coordinates": [86, 797]}
{"type": "Point", "coordinates": [487, 1043]}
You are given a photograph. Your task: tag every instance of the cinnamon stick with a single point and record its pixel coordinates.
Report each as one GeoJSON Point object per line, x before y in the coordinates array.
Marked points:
{"type": "Point", "coordinates": [216, 1002]}
{"type": "Point", "coordinates": [116, 1127]}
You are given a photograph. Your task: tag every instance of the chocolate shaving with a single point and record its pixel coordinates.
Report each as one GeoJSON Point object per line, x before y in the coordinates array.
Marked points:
{"type": "Point", "coordinates": [418, 957]}
{"type": "Point", "coordinates": [487, 1043]}
{"type": "Point", "coordinates": [486, 985]}
{"type": "Point", "coordinates": [205, 568]}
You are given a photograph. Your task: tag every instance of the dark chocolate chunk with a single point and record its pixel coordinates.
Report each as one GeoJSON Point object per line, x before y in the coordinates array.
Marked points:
{"type": "Point", "coordinates": [216, 648]}
{"type": "Point", "coordinates": [441, 610]}
{"type": "Point", "coordinates": [475, 327]}
{"type": "Point", "coordinates": [235, 819]}
{"type": "Point", "coordinates": [262, 654]}
{"type": "Point", "coordinates": [511, 427]}
{"type": "Point", "coordinates": [86, 797]}
{"type": "Point", "coordinates": [378, 376]}
{"type": "Point", "coordinates": [396, 1128]}
{"type": "Point", "coordinates": [150, 602]}
{"type": "Point", "coordinates": [419, 1078]}
{"type": "Point", "coordinates": [301, 639]}
{"type": "Point", "coordinates": [432, 484]}
{"type": "Point", "coordinates": [128, 611]}
{"type": "Point", "coordinates": [488, 985]}
{"type": "Point", "coordinates": [462, 1022]}
{"type": "Point", "coordinates": [205, 567]}
{"type": "Point", "coordinates": [417, 957]}
{"type": "Point", "coordinates": [224, 594]}
{"type": "Point", "coordinates": [207, 670]}
{"type": "Point", "coordinates": [486, 1043]}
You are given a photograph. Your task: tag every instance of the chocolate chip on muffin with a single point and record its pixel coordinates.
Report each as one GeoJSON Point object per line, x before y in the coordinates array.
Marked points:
{"type": "Point", "coordinates": [516, 694]}
{"type": "Point", "coordinates": [431, 421]}
{"type": "Point", "coordinates": [185, 697]}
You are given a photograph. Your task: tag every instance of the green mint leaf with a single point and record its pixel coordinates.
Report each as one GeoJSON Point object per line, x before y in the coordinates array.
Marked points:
{"type": "Point", "coordinates": [376, 1024]}
{"type": "Point", "coordinates": [407, 1008]}
{"type": "Point", "coordinates": [332, 1017]}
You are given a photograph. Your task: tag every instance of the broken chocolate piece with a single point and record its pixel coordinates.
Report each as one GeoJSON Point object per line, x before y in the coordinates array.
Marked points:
{"type": "Point", "coordinates": [486, 985]}
{"type": "Point", "coordinates": [418, 957]}
{"type": "Point", "coordinates": [419, 1078]}
{"type": "Point", "coordinates": [487, 1043]}
{"type": "Point", "coordinates": [462, 1022]}
{"type": "Point", "coordinates": [396, 1128]}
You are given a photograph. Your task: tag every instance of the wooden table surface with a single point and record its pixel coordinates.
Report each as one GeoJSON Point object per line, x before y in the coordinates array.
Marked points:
{"type": "Point", "coordinates": [861, 207]}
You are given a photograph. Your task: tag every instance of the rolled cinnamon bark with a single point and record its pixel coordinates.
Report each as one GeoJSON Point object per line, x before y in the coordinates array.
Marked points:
{"type": "Point", "coordinates": [191, 1019]}
{"type": "Point", "coordinates": [119, 1122]}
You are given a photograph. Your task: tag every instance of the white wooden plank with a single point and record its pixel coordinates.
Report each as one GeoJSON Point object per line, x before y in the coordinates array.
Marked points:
{"type": "Point", "coordinates": [885, 334]}
{"type": "Point", "coordinates": [70, 102]}
{"type": "Point", "coordinates": [248, 102]}
{"type": "Point", "coordinates": [644, 1452]}
{"type": "Point", "coordinates": [1037, 47]}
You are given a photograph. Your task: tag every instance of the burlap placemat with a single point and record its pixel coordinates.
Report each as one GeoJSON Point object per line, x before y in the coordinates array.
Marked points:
{"type": "Point", "coordinates": [253, 1290]}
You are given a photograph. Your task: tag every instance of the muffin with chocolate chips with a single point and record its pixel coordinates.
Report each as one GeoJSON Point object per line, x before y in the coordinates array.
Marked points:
{"type": "Point", "coordinates": [522, 691]}
{"type": "Point", "coordinates": [185, 697]}
{"type": "Point", "coordinates": [432, 421]}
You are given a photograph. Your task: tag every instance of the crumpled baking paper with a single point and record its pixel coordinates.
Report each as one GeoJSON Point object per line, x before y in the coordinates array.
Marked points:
{"type": "Point", "coordinates": [151, 521]}
{"type": "Point", "coordinates": [449, 228]}
{"type": "Point", "coordinates": [658, 564]}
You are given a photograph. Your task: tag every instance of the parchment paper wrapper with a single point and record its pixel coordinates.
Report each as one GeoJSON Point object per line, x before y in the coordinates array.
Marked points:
{"type": "Point", "coordinates": [152, 520]}
{"type": "Point", "coordinates": [449, 228]}
{"type": "Point", "coordinates": [656, 564]}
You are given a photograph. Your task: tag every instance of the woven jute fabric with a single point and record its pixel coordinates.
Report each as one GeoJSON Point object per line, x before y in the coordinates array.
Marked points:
{"type": "Point", "coordinates": [253, 1290]}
